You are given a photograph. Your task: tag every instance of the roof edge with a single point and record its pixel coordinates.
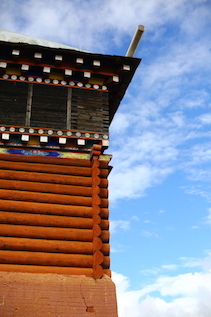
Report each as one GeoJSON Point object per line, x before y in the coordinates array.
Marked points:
{"type": "Point", "coordinates": [13, 37]}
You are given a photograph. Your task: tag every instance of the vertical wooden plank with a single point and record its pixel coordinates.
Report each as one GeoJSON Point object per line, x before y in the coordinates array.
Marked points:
{"type": "Point", "coordinates": [69, 102]}
{"type": "Point", "coordinates": [29, 104]}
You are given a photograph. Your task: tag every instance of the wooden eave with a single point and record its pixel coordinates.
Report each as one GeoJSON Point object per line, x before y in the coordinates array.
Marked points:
{"type": "Point", "coordinates": [110, 65]}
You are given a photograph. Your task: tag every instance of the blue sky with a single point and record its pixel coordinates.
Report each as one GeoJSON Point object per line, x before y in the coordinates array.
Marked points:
{"type": "Point", "coordinates": [160, 186]}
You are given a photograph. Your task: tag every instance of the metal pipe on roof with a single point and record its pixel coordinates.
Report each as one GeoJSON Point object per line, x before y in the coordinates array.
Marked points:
{"type": "Point", "coordinates": [136, 39]}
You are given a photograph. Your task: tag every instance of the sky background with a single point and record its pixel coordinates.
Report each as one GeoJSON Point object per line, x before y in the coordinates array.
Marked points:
{"type": "Point", "coordinates": [160, 186]}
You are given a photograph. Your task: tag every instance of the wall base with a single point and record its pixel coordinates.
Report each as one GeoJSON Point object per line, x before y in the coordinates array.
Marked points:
{"type": "Point", "coordinates": [55, 295]}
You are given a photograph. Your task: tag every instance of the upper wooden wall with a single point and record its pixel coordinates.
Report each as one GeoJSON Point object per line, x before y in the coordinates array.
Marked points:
{"type": "Point", "coordinates": [89, 110]}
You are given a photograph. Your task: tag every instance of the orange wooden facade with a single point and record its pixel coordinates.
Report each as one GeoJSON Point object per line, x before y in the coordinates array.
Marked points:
{"type": "Point", "coordinates": [54, 214]}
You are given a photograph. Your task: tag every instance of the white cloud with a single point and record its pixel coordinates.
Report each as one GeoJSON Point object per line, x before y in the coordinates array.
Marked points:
{"type": "Point", "coordinates": [133, 181]}
{"type": "Point", "coordinates": [151, 271]}
{"type": "Point", "coordinates": [149, 234]}
{"type": "Point", "coordinates": [188, 296]}
{"type": "Point", "coordinates": [188, 262]}
{"type": "Point", "coordinates": [195, 227]}
{"type": "Point", "coordinates": [161, 211]}
{"type": "Point", "coordinates": [169, 267]}
{"type": "Point", "coordinates": [198, 190]}
{"type": "Point", "coordinates": [85, 24]}
{"type": "Point", "coordinates": [136, 218]}
{"type": "Point", "coordinates": [184, 263]}
{"type": "Point", "coordinates": [119, 224]}
{"type": "Point", "coordinates": [206, 262]}
{"type": "Point", "coordinates": [208, 218]}
{"type": "Point", "coordinates": [205, 118]}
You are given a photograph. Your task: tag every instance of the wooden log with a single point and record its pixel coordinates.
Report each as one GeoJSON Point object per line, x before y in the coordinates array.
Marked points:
{"type": "Point", "coordinates": [45, 198]}
{"type": "Point", "coordinates": [55, 246]}
{"type": "Point", "coordinates": [98, 271]}
{"type": "Point", "coordinates": [50, 160]}
{"type": "Point", "coordinates": [95, 162]}
{"type": "Point", "coordinates": [106, 262]}
{"type": "Point", "coordinates": [107, 272]}
{"type": "Point", "coordinates": [50, 209]}
{"type": "Point", "coordinates": [50, 178]}
{"type": "Point", "coordinates": [47, 269]}
{"type": "Point", "coordinates": [104, 224]}
{"type": "Point", "coordinates": [50, 168]}
{"type": "Point", "coordinates": [96, 230]}
{"type": "Point", "coordinates": [42, 245]}
{"type": "Point", "coordinates": [49, 198]}
{"type": "Point", "coordinates": [97, 147]}
{"type": "Point", "coordinates": [96, 219]}
{"type": "Point", "coordinates": [97, 244]}
{"type": "Point", "coordinates": [49, 220]}
{"type": "Point", "coordinates": [105, 235]}
{"type": "Point", "coordinates": [96, 153]}
{"type": "Point", "coordinates": [104, 213]}
{"type": "Point", "coordinates": [51, 233]}
{"type": "Point", "coordinates": [46, 232]}
{"type": "Point", "coordinates": [98, 258]}
{"type": "Point", "coordinates": [96, 201]}
{"type": "Point", "coordinates": [51, 188]}
{"type": "Point", "coordinates": [46, 188]}
{"type": "Point", "coordinates": [45, 259]}
{"type": "Point", "coordinates": [104, 173]}
{"type": "Point", "coordinates": [95, 188]}
{"type": "Point", "coordinates": [105, 249]}
{"type": "Point", "coordinates": [45, 220]}
{"type": "Point", "coordinates": [96, 210]}
{"type": "Point", "coordinates": [46, 168]}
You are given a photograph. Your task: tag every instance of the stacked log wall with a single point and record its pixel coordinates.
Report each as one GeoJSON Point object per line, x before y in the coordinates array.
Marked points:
{"type": "Point", "coordinates": [47, 219]}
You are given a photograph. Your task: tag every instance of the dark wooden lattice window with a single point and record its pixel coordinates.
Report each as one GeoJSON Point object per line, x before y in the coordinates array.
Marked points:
{"type": "Point", "coordinates": [56, 107]}
{"type": "Point", "coordinates": [49, 107]}
{"type": "Point", "coordinates": [89, 110]}
{"type": "Point", "coordinates": [13, 100]}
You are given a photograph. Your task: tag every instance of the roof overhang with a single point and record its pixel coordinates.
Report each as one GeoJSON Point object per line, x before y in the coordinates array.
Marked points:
{"type": "Point", "coordinates": [117, 70]}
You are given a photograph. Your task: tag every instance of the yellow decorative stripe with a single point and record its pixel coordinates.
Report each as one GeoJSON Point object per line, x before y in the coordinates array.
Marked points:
{"type": "Point", "coordinates": [3, 151]}
{"type": "Point", "coordinates": [105, 157]}
{"type": "Point", "coordinates": [74, 155]}
{"type": "Point", "coordinates": [83, 156]}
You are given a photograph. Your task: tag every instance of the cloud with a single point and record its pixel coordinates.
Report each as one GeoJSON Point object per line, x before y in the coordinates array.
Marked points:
{"type": "Point", "coordinates": [198, 190]}
{"type": "Point", "coordinates": [195, 227]}
{"type": "Point", "coordinates": [184, 263]}
{"type": "Point", "coordinates": [87, 24]}
{"type": "Point", "coordinates": [161, 211]}
{"type": "Point", "coordinates": [186, 295]}
{"type": "Point", "coordinates": [208, 218]}
{"type": "Point", "coordinates": [149, 234]}
{"type": "Point", "coordinates": [170, 267]}
{"type": "Point", "coordinates": [119, 224]}
{"type": "Point", "coordinates": [147, 221]}
{"type": "Point", "coordinates": [188, 262]}
{"type": "Point", "coordinates": [205, 118]}
{"type": "Point", "coordinates": [206, 262]}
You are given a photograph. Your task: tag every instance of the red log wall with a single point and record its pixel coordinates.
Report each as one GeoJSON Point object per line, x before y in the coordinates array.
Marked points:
{"type": "Point", "coordinates": [54, 215]}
